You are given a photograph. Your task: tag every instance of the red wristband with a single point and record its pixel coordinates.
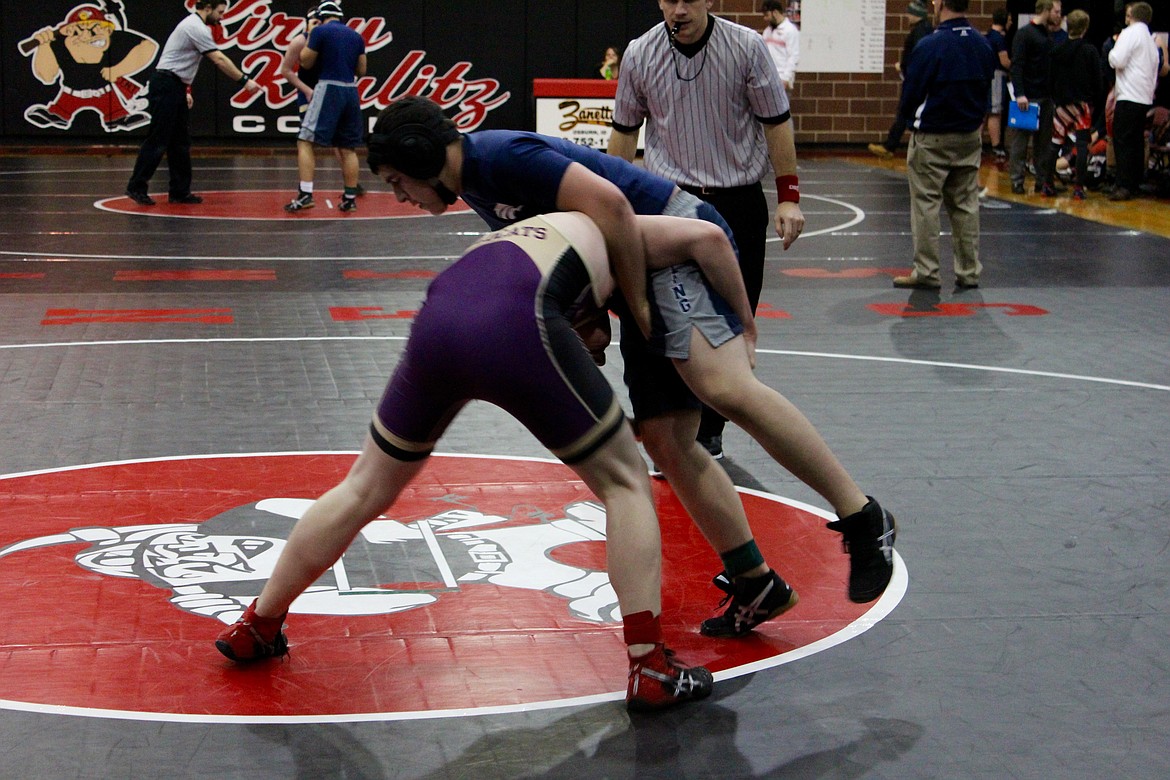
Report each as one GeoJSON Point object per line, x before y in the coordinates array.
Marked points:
{"type": "Point", "coordinates": [188, 89]}
{"type": "Point", "coordinates": [788, 189]}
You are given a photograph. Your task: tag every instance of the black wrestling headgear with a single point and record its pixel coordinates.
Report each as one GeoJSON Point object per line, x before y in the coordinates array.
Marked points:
{"type": "Point", "coordinates": [411, 135]}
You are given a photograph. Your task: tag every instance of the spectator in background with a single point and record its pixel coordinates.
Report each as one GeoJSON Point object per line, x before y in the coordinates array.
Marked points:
{"type": "Point", "coordinates": [610, 64]}
{"type": "Point", "coordinates": [1031, 84]}
{"type": "Point", "coordinates": [921, 28]}
{"type": "Point", "coordinates": [783, 41]}
{"type": "Point", "coordinates": [1056, 29]}
{"type": "Point", "coordinates": [1076, 88]}
{"type": "Point", "coordinates": [944, 98]}
{"type": "Point", "coordinates": [1104, 119]}
{"type": "Point", "coordinates": [1001, 22]}
{"type": "Point", "coordinates": [1135, 60]}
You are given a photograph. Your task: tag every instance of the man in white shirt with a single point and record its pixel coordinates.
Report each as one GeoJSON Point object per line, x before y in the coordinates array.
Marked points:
{"type": "Point", "coordinates": [783, 39]}
{"type": "Point", "coordinates": [1135, 59]}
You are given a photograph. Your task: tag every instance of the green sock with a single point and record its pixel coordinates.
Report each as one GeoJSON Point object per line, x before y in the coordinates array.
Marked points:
{"type": "Point", "coordinates": [743, 558]}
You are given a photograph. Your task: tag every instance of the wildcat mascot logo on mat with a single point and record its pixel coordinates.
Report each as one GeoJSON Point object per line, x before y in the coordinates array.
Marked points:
{"type": "Point", "coordinates": [483, 587]}
{"type": "Point", "coordinates": [217, 567]}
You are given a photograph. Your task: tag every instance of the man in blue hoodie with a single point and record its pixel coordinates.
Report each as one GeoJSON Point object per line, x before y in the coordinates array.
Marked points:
{"type": "Point", "coordinates": [944, 100]}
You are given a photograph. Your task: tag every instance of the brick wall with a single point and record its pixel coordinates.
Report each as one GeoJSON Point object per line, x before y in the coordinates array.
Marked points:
{"type": "Point", "coordinates": [847, 108]}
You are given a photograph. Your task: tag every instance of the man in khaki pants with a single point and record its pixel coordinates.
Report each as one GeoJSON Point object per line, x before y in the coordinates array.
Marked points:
{"type": "Point", "coordinates": [944, 98]}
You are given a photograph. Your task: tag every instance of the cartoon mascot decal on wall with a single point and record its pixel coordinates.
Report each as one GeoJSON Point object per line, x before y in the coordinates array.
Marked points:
{"type": "Point", "coordinates": [91, 57]}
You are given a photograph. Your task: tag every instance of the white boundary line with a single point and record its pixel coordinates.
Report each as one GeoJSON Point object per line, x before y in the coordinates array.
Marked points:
{"type": "Point", "coordinates": [789, 352]}
{"type": "Point", "coordinates": [90, 171]}
{"type": "Point", "coordinates": [266, 258]}
{"type": "Point", "coordinates": [969, 367]}
{"type": "Point", "coordinates": [276, 217]}
{"type": "Point", "coordinates": [881, 608]}
{"type": "Point", "coordinates": [858, 216]}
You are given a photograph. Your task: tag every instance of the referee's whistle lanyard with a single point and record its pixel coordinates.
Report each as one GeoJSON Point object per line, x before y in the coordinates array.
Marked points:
{"type": "Point", "coordinates": [676, 54]}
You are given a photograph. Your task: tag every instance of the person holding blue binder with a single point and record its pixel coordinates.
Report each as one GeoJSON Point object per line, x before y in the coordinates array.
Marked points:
{"type": "Point", "coordinates": [1031, 68]}
{"type": "Point", "coordinates": [1027, 119]}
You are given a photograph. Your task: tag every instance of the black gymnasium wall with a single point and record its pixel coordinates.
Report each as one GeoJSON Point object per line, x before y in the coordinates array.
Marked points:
{"type": "Point", "coordinates": [480, 56]}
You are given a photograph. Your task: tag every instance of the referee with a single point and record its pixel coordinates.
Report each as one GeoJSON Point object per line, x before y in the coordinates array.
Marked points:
{"type": "Point", "coordinates": [716, 115]}
{"type": "Point", "coordinates": [170, 100]}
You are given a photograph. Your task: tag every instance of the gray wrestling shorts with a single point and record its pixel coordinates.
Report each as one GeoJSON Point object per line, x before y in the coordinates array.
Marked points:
{"type": "Point", "coordinates": [682, 299]}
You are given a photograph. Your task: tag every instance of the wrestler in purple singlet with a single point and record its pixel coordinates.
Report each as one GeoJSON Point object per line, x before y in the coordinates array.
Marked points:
{"type": "Point", "coordinates": [496, 326]}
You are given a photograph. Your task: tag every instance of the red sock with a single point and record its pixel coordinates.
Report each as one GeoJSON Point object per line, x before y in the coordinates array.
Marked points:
{"type": "Point", "coordinates": [642, 628]}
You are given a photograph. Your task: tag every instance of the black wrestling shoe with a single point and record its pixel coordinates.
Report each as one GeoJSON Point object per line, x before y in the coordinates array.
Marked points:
{"type": "Point", "coordinates": [713, 444]}
{"type": "Point", "coordinates": [869, 539]}
{"type": "Point", "coordinates": [753, 600]}
{"type": "Point", "coordinates": [303, 200]}
{"type": "Point", "coordinates": [190, 199]}
{"type": "Point", "coordinates": [141, 198]}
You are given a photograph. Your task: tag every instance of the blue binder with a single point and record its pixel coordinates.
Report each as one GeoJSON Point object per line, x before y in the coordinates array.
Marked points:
{"type": "Point", "coordinates": [1024, 120]}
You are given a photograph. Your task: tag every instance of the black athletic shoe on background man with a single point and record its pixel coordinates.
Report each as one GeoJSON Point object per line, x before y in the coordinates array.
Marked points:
{"type": "Point", "coordinates": [141, 198]}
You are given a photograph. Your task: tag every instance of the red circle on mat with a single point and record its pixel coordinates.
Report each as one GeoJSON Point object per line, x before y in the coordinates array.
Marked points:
{"type": "Point", "coordinates": [111, 577]}
{"type": "Point", "coordinates": [269, 204]}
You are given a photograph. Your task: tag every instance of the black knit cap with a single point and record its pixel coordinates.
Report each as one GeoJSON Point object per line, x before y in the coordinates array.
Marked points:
{"type": "Point", "coordinates": [411, 135]}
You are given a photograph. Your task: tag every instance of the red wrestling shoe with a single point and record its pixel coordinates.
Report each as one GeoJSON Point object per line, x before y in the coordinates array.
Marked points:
{"type": "Point", "coordinates": [252, 637]}
{"type": "Point", "coordinates": [658, 681]}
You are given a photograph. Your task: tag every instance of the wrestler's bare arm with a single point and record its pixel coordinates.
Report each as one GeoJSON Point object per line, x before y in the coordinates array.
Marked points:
{"type": "Point", "coordinates": [583, 190]}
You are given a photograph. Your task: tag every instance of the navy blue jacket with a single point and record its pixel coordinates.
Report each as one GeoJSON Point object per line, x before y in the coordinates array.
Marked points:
{"type": "Point", "coordinates": [948, 80]}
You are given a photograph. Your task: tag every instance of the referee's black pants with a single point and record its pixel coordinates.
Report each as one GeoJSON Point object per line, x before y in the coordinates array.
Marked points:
{"type": "Point", "coordinates": [747, 214]}
{"type": "Point", "coordinates": [169, 133]}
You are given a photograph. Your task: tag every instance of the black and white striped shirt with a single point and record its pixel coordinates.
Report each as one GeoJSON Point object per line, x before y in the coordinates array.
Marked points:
{"type": "Point", "coordinates": [703, 113]}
